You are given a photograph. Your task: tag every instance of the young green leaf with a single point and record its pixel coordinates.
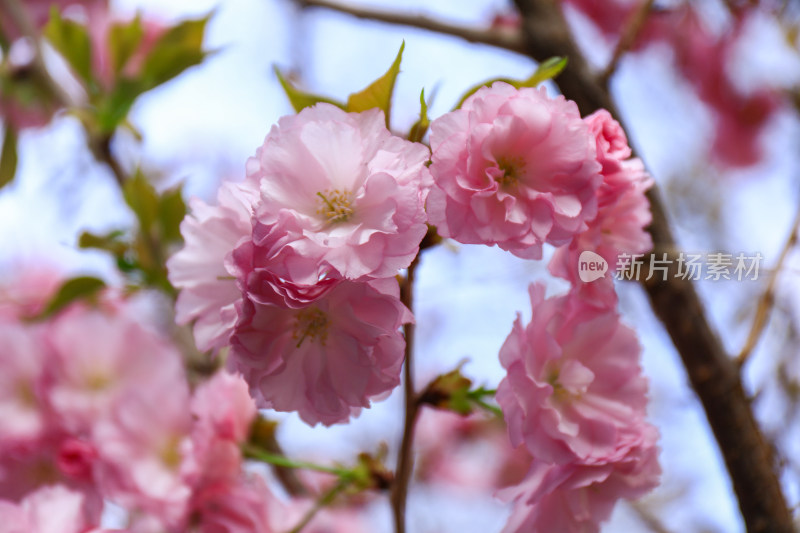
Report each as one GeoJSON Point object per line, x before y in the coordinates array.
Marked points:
{"type": "Point", "coordinates": [171, 211]}
{"type": "Point", "coordinates": [546, 70]}
{"type": "Point", "coordinates": [8, 156]}
{"type": "Point", "coordinates": [72, 42]}
{"type": "Point", "coordinates": [80, 288]}
{"type": "Point", "coordinates": [179, 48]}
{"type": "Point", "coordinates": [142, 198]}
{"type": "Point", "coordinates": [123, 40]}
{"type": "Point", "coordinates": [378, 93]}
{"type": "Point", "coordinates": [420, 127]}
{"type": "Point", "coordinates": [300, 99]}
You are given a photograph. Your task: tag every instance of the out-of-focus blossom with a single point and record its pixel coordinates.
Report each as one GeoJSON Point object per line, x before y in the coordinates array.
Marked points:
{"type": "Point", "coordinates": [326, 360]}
{"type": "Point", "coordinates": [341, 193]}
{"type": "Point", "coordinates": [514, 168]}
{"type": "Point", "coordinates": [574, 387]}
{"type": "Point", "coordinates": [576, 498]}
{"type": "Point", "coordinates": [52, 509]}
{"type": "Point", "coordinates": [470, 453]}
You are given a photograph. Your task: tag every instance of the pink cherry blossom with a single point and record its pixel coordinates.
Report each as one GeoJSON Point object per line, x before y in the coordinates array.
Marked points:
{"type": "Point", "coordinates": [623, 212]}
{"type": "Point", "coordinates": [343, 193]}
{"type": "Point", "coordinates": [574, 384]}
{"type": "Point", "coordinates": [514, 168]}
{"type": "Point", "coordinates": [238, 506]}
{"type": "Point", "coordinates": [201, 269]}
{"type": "Point", "coordinates": [576, 498]}
{"type": "Point", "coordinates": [52, 509]}
{"type": "Point", "coordinates": [88, 383]}
{"type": "Point", "coordinates": [326, 360]}
{"type": "Point", "coordinates": [24, 412]}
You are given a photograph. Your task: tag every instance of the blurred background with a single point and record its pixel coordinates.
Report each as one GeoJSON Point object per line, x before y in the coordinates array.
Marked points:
{"type": "Point", "coordinates": [729, 196]}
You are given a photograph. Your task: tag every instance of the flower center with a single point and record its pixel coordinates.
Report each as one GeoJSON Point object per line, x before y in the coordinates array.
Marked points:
{"type": "Point", "coordinates": [511, 168]}
{"type": "Point", "coordinates": [335, 206]}
{"type": "Point", "coordinates": [311, 324]}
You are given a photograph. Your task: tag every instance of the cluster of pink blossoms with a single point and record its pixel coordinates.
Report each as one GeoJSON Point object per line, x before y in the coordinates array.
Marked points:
{"type": "Point", "coordinates": [96, 407]}
{"type": "Point", "coordinates": [294, 271]}
{"type": "Point", "coordinates": [295, 268]}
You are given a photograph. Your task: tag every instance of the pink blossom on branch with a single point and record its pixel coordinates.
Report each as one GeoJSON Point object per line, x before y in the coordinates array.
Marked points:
{"type": "Point", "coordinates": [623, 212]}
{"type": "Point", "coordinates": [574, 388]}
{"type": "Point", "coordinates": [514, 168]}
{"type": "Point", "coordinates": [203, 269]}
{"type": "Point", "coordinates": [342, 193]}
{"type": "Point", "coordinates": [326, 360]}
{"type": "Point", "coordinates": [576, 498]}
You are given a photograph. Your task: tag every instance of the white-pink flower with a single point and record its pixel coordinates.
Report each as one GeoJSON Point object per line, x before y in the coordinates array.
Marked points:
{"type": "Point", "coordinates": [514, 168]}
{"type": "Point", "coordinates": [574, 387]}
{"type": "Point", "coordinates": [344, 194]}
{"type": "Point", "coordinates": [328, 359]}
{"type": "Point", "coordinates": [202, 269]}
{"type": "Point", "coordinates": [576, 498]}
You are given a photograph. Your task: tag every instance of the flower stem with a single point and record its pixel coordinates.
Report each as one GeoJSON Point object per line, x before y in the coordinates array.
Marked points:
{"type": "Point", "coordinates": [405, 465]}
{"type": "Point", "coordinates": [253, 452]}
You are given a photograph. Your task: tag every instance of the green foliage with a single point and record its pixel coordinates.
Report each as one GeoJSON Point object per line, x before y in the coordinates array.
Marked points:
{"type": "Point", "coordinates": [420, 127]}
{"type": "Point", "coordinates": [547, 70]}
{"type": "Point", "coordinates": [179, 48]}
{"type": "Point", "coordinates": [123, 40]}
{"type": "Point", "coordinates": [8, 156]}
{"type": "Point", "coordinates": [143, 255]}
{"type": "Point", "coordinates": [72, 42]}
{"type": "Point", "coordinates": [80, 288]}
{"type": "Point", "coordinates": [378, 93]}
{"type": "Point", "coordinates": [300, 99]}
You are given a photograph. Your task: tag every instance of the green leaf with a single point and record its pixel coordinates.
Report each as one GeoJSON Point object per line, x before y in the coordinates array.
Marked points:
{"type": "Point", "coordinates": [8, 156]}
{"type": "Point", "coordinates": [420, 127]}
{"type": "Point", "coordinates": [72, 41]}
{"type": "Point", "coordinates": [300, 99]}
{"type": "Point", "coordinates": [142, 198]}
{"type": "Point", "coordinates": [547, 70]}
{"type": "Point", "coordinates": [123, 40]}
{"type": "Point", "coordinates": [111, 242]}
{"type": "Point", "coordinates": [378, 93]}
{"type": "Point", "coordinates": [114, 108]}
{"type": "Point", "coordinates": [171, 211]}
{"type": "Point", "coordinates": [80, 288]}
{"type": "Point", "coordinates": [179, 48]}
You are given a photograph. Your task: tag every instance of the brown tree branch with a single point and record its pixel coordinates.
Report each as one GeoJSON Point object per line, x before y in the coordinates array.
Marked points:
{"type": "Point", "coordinates": [712, 373]}
{"type": "Point", "coordinates": [627, 38]}
{"type": "Point", "coordinates": [506, 39]}
{"type": "Point", "coordinates": [405, 460]}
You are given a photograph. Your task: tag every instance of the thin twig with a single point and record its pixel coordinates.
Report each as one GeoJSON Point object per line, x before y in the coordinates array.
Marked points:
{"type": "Point", "coordinates": [648, 517]}
{"type": "Point", "coordinates": [506, 39]}
{"type": "Point", "coordinates": [324, 500]}
{"type": "Point", "coordinates": [767, 300]}
{"type": "Point", "coordinates": [405, 460]}
{"type": "Point", "coordinates": [627, 38]}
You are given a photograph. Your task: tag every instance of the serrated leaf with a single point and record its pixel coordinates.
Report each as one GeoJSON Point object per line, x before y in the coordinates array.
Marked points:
{"type": "Point", "coordinates": [301, 99]}
{"type": "Point", "coordinates": [171, 211]}
{"type": "Point", "coordinates": [72, 42]}
{"type": "Point", "coordinates": [123, 40]}
{"type": "Point", "coordinates": [378, 93]}
{"type": "Point", "coordinates": [8, 156]}
{"type": "Point", "coordinates": [142, 198]}
{"type": "Point", "coordinates": [420, 127]}
{"type": "Point", "coordinates": [80, 288]}
{"type": "Point", "coordinates": [179, 48]}
{"type": "Point", "coordinates": [546, 70]}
